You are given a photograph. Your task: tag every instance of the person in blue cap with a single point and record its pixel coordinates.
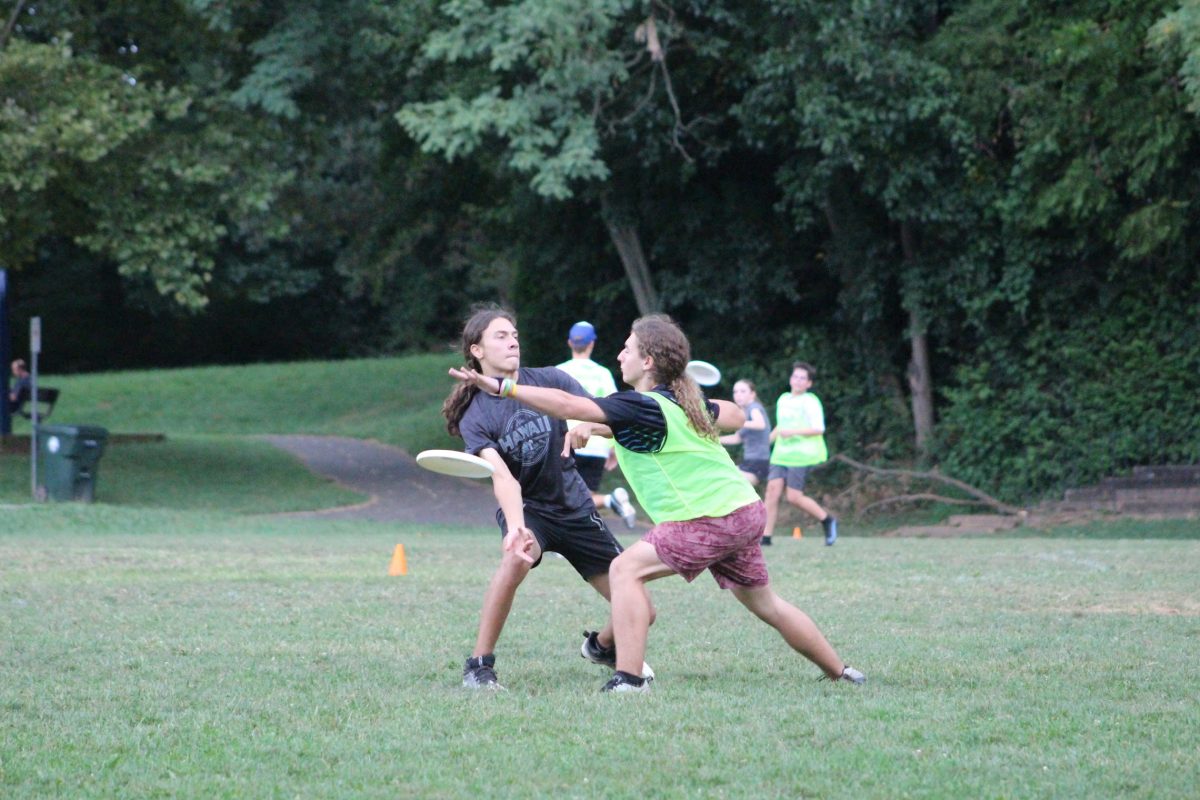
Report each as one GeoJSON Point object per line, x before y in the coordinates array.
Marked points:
{"type": "Point", "coordinates": [597, 454]}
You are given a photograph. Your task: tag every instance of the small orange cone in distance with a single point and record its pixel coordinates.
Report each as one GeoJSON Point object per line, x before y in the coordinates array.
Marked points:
{"type": "Point", "coordinates": [399, 562]}
{"type": "Point", "coordinates": [797, 533]}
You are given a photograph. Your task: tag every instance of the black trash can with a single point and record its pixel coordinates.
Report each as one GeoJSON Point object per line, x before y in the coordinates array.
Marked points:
{"type": "Point", "coordinates": [68, 458]}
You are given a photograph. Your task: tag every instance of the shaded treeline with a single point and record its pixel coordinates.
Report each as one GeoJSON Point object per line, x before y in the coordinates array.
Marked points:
{"type": "Point", "coordinates": [977, 218]}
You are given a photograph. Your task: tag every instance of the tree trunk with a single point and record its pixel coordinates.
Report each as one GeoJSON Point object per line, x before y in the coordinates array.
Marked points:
{"type": "Point", "coordinates": [920, 384]}
{"type": "Point", "coordinates": [920, 379]}
{"type": "Point", "coordinates": [625, 238]}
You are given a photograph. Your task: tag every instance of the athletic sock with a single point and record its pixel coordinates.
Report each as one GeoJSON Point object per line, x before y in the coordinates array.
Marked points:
{"type": "Point", "coordinates": [633, 680]}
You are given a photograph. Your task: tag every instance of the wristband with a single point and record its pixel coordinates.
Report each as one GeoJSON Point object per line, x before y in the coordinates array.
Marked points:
{"type": "Point", "coordinates": [508, 388]}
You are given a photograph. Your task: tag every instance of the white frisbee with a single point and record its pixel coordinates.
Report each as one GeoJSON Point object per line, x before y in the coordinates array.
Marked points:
{"type": "Point", "coordinates": [704, 373]}
{"type": "Point", "coordinates": [452, 462]}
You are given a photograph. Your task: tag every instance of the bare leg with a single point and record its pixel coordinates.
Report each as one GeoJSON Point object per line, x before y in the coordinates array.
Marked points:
{"type": "Point", "coordinates": [600, 583]}
{"type": "Point", "coordinates": [498, 600]}
{"type": "Point", "coordinates": [632, 609]}
{"type": "Point", "coordinates": [806, 504]}
{"type": "Point", "coordinates": [605, 636]}
{"type": "Point", "coordinates": [771, 501]}
{"type": "Point", "coordinates": [797, 629]}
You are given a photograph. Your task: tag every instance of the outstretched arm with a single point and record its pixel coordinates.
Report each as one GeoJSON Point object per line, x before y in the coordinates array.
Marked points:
{"type": "Point", "coordinates": [578, 436]}
{"type": "Point", "coordinates": [730, 416]}
{"type": "Point", "coordinates": [554, 402]}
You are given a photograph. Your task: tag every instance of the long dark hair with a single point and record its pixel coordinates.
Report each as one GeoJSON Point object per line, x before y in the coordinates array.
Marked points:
{"type": "Point", "coordinates": [660, 338]}
{"type": "Point", "coordinates": [461, 396]}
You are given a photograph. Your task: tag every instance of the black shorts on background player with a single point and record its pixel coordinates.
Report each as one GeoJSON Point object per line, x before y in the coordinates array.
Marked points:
{"type": "Point", "coordinates": [591, 469]}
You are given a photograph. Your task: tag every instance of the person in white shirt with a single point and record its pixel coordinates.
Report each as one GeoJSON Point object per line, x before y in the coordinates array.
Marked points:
{"type": "Point", "coordinates": [597, 455]}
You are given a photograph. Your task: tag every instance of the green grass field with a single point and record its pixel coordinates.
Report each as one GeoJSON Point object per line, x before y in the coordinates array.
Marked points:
{"type": "Point", "coordinates": [199, 654]}
{"type": "Point", "coordinates": [178, 640]}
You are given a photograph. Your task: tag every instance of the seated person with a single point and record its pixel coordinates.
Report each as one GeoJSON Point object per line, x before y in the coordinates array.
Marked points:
{"type": "Point", "coordinates": [21, 381]}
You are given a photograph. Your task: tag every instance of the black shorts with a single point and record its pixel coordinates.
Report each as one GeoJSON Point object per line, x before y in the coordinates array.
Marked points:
{"type": "Point", "coordinates": [583, 540]}
{"type": "Point", "coordinates": [756, 467]}
{"type": "Point", "coordinates": [591, 469]}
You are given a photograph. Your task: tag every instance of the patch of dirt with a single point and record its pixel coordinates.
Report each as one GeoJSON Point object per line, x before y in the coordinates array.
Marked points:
{"type": "Point", "coordinates": [400, 491]}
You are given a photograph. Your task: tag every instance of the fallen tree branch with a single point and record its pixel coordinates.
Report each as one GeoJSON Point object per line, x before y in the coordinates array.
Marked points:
{"type": "Point", "coordinates": [905, 498]}
{"type": "Point", "coordinates": [983, 498]}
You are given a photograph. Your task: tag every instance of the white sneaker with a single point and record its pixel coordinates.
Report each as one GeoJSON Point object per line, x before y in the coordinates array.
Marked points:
{"type": "Point", "coordinates": [853, 675]}
{"type": "Point", "coordinates": [618, 685]}
{"type": "Point", "coordinates": [619, 502]}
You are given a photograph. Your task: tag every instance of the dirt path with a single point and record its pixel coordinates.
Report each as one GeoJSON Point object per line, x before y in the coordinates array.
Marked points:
{"type": "Point", "coordinates": [400, 490]}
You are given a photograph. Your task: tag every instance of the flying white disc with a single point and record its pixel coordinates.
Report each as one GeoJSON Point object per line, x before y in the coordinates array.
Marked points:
{"type": "Point", "coordinates": [704, 373]}
{"type": "Point", "coordinates": [452, 462]}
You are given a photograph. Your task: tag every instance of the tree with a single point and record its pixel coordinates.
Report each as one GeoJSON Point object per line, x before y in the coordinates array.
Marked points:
{"type": "Point", "coordinates": [156, 176]}
{"type": "Point", "coordinates": [579, 97]}
{"type": "Point", "coordinates": [873, 151]}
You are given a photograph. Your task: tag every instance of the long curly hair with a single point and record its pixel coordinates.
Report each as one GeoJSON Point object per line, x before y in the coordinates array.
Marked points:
{"type": "Point", "coordinates": [461, 396]}
{"type": "Point", "coordinates": [660, 338]}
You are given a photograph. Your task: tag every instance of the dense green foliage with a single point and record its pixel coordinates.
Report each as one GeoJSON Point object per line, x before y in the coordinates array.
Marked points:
{"type": "Point", "coordinates": [980, 210]}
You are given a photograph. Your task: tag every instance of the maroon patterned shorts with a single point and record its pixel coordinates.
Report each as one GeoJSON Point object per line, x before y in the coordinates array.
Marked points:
{"type": "Point", "coordinates": [729, 547]}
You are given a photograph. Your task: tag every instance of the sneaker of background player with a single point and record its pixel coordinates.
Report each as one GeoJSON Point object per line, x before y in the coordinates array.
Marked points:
{"type": "Point", "coordinates": [830, 526]}
{"type": "Point", "coordinates": [597, 653]}
{"type": "Point", "coordinates": [622, 683]}
{"type": "Point", "coordinates": [619, 502]}
{"type": "Point", "coordinates": [766, 541]}
{"type": "Point", "coordinates": [480, 673]}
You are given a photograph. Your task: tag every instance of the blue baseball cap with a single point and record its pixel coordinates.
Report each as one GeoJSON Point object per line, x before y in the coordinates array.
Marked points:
{"type": "Point", "coordinates": [582, 333]}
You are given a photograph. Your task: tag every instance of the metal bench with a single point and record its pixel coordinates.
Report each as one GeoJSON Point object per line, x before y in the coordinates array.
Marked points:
{"type": "Point", "coordinates": [46, 398]}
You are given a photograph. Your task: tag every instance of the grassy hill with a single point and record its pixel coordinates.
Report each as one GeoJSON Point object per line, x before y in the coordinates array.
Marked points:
{"type": "Point", "coordinates": [209, 415]}
{"type": "Point", "coordinates": [393, 400]}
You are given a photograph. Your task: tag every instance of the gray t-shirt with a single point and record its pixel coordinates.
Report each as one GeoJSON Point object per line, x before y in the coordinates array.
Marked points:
{"type": "Point", "coordinates": [756, 445]}
{"type": "Point", "coordinates": [531, 444]}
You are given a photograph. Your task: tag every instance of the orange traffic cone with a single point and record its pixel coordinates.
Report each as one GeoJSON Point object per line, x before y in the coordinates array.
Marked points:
{"type": "Point", "coordinates": [797, 533]}
{"type": "Point", "coordinates": [399, 562]}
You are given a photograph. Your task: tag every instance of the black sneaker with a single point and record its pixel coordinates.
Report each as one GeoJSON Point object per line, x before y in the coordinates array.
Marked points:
{"type": "Point", "coordinates": [480, 673]}
{"type": "Point", "coordinates": [830, 526]}
{"type": "Point", "coordinates": [766, 540]}
{"type": "Point", "coordinates": [620, 683]}
{"type": "Point", "coordinates": [596, 653]}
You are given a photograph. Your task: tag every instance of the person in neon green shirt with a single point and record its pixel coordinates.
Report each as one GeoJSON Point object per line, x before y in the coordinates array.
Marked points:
{"type": "Point", "coordinates": [799, 445]}
{"type": "Point", "coordinates": [706, 516]}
